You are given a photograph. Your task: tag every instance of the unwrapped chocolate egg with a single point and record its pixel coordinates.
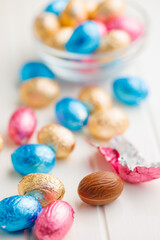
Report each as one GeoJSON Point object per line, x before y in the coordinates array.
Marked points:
{"type": "Point", "coordinates": [34, 69]}
{"type": "Point", "coordinates": [59, 138]}
{"type": "Point", "coordinates": [33, 158]}
{"type": "Point", "coordinates": [57, 6]}
{"type": "Point", "coordinates": [18, 212]}
{"type": "Point", "coordinates": [54, 221]}
{"type": "Point", "coordinates": [72, 113]}
{"type": "Point", "coordinates": [22, 125]}
{"type": "Point", "coordinates": [60, 38]}
{"type": "Point", "coordinates": [74, 13]}
{"type": "Point", "coordinates": [85, 38]}
{"type": "Point", "coordinates": [46, 25]}
{"type": "Point", "coordinates": [114, 40]}
{"type": "Point", "coordinates": [95, 98]}
{"type": "Point", "coordinates": [105, 124]}
{"type": "Point", "coordinates": [1, 143]}
{"type": "Point", "coordinates": [100, 188]}
{"type": "Point", "coordinates": [44, 187]}
{"type": "Point", "coordinates": [108, 8]}
{"type": "Point", "coordinates": [130, 90]}
{"type": "Point", "coordinates": [39, 92]}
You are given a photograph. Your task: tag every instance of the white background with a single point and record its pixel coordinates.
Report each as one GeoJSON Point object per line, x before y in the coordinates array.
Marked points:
{"type": "Point", "coordinates": [136, 214]}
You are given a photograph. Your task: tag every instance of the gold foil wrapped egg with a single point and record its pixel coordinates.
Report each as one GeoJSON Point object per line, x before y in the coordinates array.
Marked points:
{"type": "Point", "coordinates": [91, 8]}
{"type": "Point", "coordinates": [114, 40]}
{"type": "Point", "coordinates": [74, 13]}
{"type": "Point", "coordinates": [95, 98]}
{"type": "Point", "coordinates": [39, 92]}
{"type": "Point", "coordinates": [44, 187]}
{"type": "Point", "coordinates": [1, 143]}
{"type": "Point", "coordinates": [59, 138]}
{"type": "Point", "coordinates": [61, 37]}
{"type": "Point", "coordinates": [46, 25]}
{"type": "Point", "coordinates": [105, 124]}
{"type": "Point", "coordinates": [109, 8]}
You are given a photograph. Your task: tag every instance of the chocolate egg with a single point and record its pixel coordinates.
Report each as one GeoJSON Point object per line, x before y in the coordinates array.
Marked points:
{"type": "Point", "coordinates": [59, 138]}
{"type": "Point", "coordinates": [95, 98]}
{"type": "Point", "coordinates": [22, 125]}
{"type": "Point", "coordinates": [105, 124]}
{"type": "Point", "coordinates": [1, 143]}
{"type": "Point", "coordinates": [74, 13]}
{"type": "Point", "coordinates": [108, 8]}
{"type": "Point", "coordinates": [91, 7]}
{"type": "Point", "coordinates": [72, 113]}
{"type": "Point", "coordinates": [33, 158]}
{"type": "Point", "coordinates": [57, 6]}
{"type": "Point", "coordinates": [39, 92]}
{"type": "Point", "coordinates": [34, 69]}
{"type": "Point", "coordinates": [130, 90]}
{"type": "Point", "coordinates": [114, 40]}
{"type": "Point", "coordinates": [18, 212]}
{"type": "Point", "coordinates": [44, 187]}
{"type": "Point", "coordinates": [46, 25]}
{"type": "Point", "coordinates": [54, 221]}
{"type": "Point", "coordinates": [61, 37]}
{"type": "Point", "coordinates": [85, 38]}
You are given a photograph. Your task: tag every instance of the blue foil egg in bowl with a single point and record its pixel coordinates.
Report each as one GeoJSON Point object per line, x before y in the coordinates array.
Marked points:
{"type": "Point", "coordinates": [73, 46]}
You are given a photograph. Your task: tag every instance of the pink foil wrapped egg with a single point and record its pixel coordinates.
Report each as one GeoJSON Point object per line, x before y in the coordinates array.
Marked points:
{"type": "Point", "coordinates": [128, 24]}
{"type": "Point", "coordinates": [102, 28]}
{"type": "Point", "coordinates": [54, 221]}
{"type": "Point", "coordinates": [127, 162]}
{"type": "Point", "coordinates": [22, 125]}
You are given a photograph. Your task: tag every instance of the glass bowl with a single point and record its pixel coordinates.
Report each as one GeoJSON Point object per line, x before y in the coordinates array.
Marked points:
{"type": "Point", "coordinates": [92, 67]}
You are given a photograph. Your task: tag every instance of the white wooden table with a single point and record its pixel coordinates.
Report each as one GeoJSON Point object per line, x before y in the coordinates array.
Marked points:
{"type": "Point", "coordinates": [136, 214]}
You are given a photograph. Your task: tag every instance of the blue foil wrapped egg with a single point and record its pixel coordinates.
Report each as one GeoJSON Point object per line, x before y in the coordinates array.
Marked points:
{"type": "Point", "coordinates": [56, 6]}
{"type": "Point", "coordinates": [18, 212]}
{"type": "Point", "coordinates": [72, 113]}
{"type": "Point", "coordinates": [85, 38]}
{"type": "Point", "coordinates": [130, 90]}
{"type": "Point", "coordinates": [35, 69]}
{"type": "Point", "coordinates": [33, 158]}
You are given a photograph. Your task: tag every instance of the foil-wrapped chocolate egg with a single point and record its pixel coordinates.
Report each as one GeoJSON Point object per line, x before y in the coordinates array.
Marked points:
{"type": "Point", "coordinates": [22, 125]}
{"type": "Point", "coordinates": [105, 124]}
{"type": "Point", "coordinates": [18, 212]}
{"type": "Point", "coordinates": [44, 187]}
{"type": "Point", "coordinates": [54, 221]}
{"type": "Point", "coordinates": [102, 28]}
{"type": "Point", "coordinates": [59, 138]}
{"type": "Point", "coordinates": [108, 8]}
{"type": "Point", "coordinates": [95, 98]}
{"type": "Point", "coordinates": [91, 7]}
{"type": "Point", "coordinates": [74, 13]}
{"type": "Point", "coordinates": [85, 38]}
{"type": "Point", "coordinates": [33, 158]}
{"type": "Point", "coordinates": [39, 92]}
{"type": "Point", "coordinates": [114, 40]}
{"type": "Point", "coordinates": [72, 113]}
{"type": "Point", "coordinates": [46, 25]}
{"type": "Point", "coordinates": [130, 90]}
{"type": "Point", "coordinates": [34, 69]}
{"type": "Point", "coordinates": [128, 24]}
{"type": "Point", "coordinates": [1, 143]}
{"type": "Point", "coordinates": [57, 6]}
{"type": "Point", "coordinates": [60, 38]}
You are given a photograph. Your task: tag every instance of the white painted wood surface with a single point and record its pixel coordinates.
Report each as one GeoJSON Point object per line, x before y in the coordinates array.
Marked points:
{"type": "Point", "coordinates": [136, 214]}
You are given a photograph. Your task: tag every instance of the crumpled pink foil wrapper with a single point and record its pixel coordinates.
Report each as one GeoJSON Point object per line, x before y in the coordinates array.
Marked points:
{"type": "Point", "coordinates": [127, 162]}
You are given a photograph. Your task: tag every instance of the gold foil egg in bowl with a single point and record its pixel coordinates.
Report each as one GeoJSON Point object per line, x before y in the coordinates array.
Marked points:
{"type": "Point", "coordinates": [74, 13]}
{"type": "Point", "coordinates": [106, 124]}
{"type": "Point", "coordinates": [109, 8]}
{"type": "Point", "coordinates": [39, 92]}
{"type": "Point", "coordinates": [59, 138]}
{"type": "Point", "coordinates": [45, 188]}
{"type": "Point", "coordinates": [46, 24]}
{"type": "Point", "coordinates": [95, 98]}
{"type": "Point", "coordinates": [1, 143]}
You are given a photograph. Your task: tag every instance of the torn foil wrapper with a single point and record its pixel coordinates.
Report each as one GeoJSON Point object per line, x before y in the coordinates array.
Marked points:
{"type": "Point", "coordinates": [127, 162]}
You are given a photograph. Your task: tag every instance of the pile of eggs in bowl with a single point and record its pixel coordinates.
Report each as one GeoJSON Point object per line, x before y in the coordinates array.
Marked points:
{"type": "Point", "coordinates": [86, 27]}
